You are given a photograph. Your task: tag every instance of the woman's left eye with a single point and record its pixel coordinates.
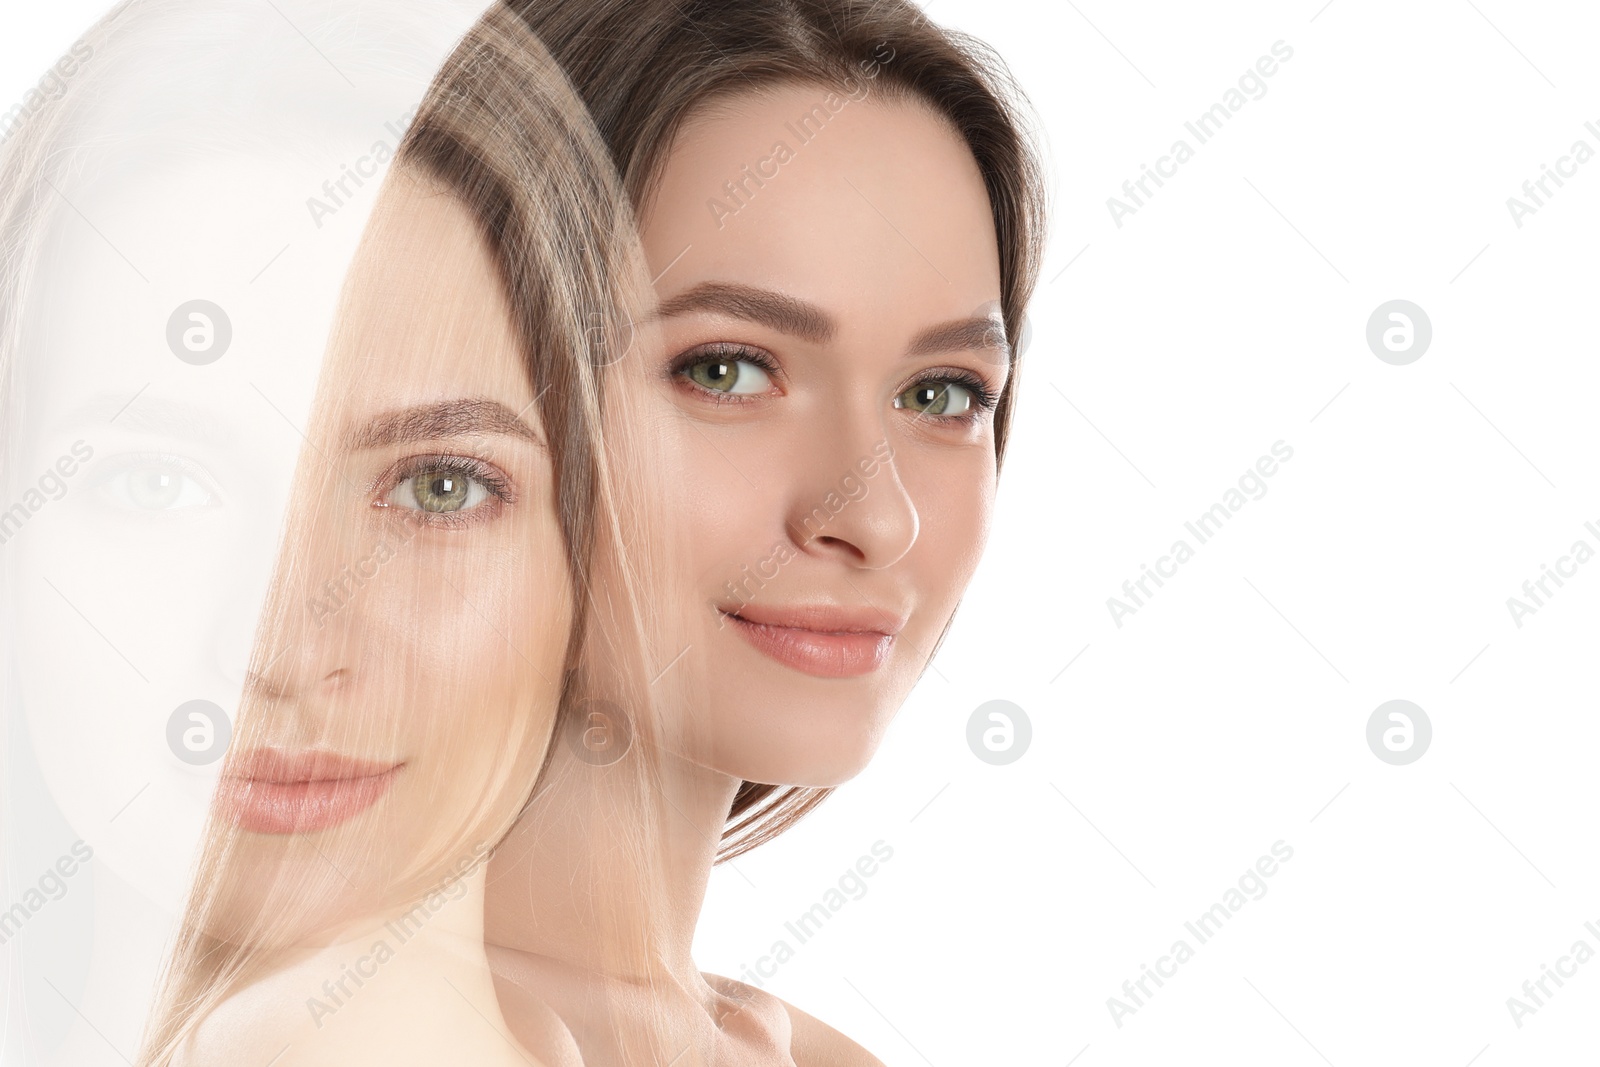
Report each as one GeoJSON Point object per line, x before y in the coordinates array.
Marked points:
{"type": "Point", "coordinates": [439, 491]}
{"type": "Point", "coordinates": [950, 399]}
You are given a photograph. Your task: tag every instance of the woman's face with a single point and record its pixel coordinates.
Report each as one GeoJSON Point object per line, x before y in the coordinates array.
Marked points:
{"type": "Point", "coordinates": [829, 291]}
{"type": "Point", "coordinates": [158, 485]}
{"type": "Point", "coordinates": [410, 665]}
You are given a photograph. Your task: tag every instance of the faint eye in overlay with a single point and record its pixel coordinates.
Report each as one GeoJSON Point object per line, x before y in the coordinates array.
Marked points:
{"type": "Point", "coordinates": [156, 483]}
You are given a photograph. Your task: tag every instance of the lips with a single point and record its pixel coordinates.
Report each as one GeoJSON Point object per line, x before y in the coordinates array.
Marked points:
{"type": "Point", "coordinates": [822, 641]}
{"type": "Point", "coordinates": [273, 792]}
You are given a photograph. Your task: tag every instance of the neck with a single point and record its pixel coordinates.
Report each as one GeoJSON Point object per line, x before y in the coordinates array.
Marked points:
{"type": "Point", "coordinates": [607, 872]}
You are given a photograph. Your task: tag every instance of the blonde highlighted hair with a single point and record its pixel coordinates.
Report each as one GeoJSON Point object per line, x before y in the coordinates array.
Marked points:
{"type": "Point", "coordinates": [500, 131]}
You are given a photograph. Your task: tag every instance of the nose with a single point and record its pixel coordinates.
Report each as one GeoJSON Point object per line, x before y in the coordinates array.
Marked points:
{"type": "Point", "coordinates": [308, 643]}
{"type": "Point", "coordinates": [239, 606]}
{"type": "Point", "coordinates": [850, 503]}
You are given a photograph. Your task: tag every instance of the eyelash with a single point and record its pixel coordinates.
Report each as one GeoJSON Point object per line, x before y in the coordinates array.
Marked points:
{"type": "Point", "coordinates": [733, 353]}
{"type": "Point", "coordinates": [985, 399]}
{"type": "Point", "coordinates": [489, 476]}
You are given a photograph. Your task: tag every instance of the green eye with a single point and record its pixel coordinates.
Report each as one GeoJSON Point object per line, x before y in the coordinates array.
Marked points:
{"type": "Point", "coordinates": [733, 376]}
{"type": "Point", "coordinates": [938, 398]}
{"type": "Point", "coordinates": [439, 492]}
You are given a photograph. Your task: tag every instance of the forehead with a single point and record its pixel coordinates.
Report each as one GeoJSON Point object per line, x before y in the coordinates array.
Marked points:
{"type": "Point", "coordinates": [425, 313]}
{"type": "Point", "coordinates": [868, 206]}
{"type": "Point", "coordinates": [123, 256]}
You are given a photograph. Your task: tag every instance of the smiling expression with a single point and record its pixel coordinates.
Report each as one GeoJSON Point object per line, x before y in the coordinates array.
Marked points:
{"type": "Point", "coordinates": [833, 354]}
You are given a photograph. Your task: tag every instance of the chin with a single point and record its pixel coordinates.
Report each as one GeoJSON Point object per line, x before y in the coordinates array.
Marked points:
{"type": "Point", "coordinates": [804, 750]}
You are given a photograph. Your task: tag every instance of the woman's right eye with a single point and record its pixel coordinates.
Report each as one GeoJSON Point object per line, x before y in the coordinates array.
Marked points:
{"type": "Point", "coordinates": [733, 377]}
{"type": "Point", "coordinates": [156, 484]}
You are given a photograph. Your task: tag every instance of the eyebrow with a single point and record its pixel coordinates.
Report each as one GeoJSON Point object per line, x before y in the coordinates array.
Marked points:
{"type": "Point", "coordinates": [451, 418]}
{"type": "Point", "coordinates": [963, 335]}
{"type": "Point", "coordinates": [782, 313]}
{"type": "Point", "coordinates": [154, 415]}
{"type": "Point", "coordinates": [808, 322]}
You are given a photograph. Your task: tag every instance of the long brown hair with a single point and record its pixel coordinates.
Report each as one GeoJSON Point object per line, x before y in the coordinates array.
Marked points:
{"type": "Point", "coordinates": [645, 66]}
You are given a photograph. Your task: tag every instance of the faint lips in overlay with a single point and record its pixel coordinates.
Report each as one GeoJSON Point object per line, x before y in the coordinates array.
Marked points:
{"type": "Point", "coordinates": [274, 792]}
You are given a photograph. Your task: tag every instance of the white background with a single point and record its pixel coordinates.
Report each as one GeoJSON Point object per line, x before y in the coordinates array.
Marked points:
{"type": "Point", "coordinates": [1230, 711]}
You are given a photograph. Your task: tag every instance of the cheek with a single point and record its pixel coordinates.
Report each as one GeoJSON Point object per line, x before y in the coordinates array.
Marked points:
{"type": "Point", "coordinates": [474, 645]}
{"type": "Point", "coordinates": [955, 511]}
{"type": "Point", "coordinates": [729, 522]}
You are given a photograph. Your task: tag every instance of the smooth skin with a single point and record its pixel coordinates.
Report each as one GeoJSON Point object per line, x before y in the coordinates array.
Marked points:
{"type": "Point", "coordinates": [847, 312]}
{"type": "Point", "coordinates": [446, 661]}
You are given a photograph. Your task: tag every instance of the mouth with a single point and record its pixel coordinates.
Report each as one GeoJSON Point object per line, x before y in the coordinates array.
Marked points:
{"type": "Point", "coordinates": [824, 642]}
{"type": "Point", "coordinates": [273, 792]}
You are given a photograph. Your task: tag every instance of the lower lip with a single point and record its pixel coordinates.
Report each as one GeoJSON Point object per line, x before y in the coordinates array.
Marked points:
{"type": "Point", "coordinates": [264, 807]}
{"type": "Point", "coordinates": [822, 655]}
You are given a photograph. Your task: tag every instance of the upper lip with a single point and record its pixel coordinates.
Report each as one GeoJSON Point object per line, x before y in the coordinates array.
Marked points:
{"type": "Point", "coordinates": [287, 768]}
{"type": "Point", "coordinates": [820, 618]}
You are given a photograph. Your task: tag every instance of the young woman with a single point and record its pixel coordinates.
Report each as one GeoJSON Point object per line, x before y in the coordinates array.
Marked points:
{"type": "Point", "coordinates": [449, 589]}
{"type": "Point", "coordinates": [388, 742]}
{"type": "Point", "coordinates": [166, 297]}
{"type": "Point", "coordinates": [843, 219]}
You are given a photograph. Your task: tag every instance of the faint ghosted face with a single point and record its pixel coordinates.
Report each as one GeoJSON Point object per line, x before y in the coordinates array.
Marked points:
{"type": "Point", "coordinates": [829, 283]}
{"type": "Point", "coordinates": [405, 577]}
{"type": "Point", "coordinates": [152, 488]}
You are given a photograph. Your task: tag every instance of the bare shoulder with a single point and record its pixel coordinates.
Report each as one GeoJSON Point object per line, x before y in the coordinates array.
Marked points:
{"type": "Point", "coordinates": [314, 1014]}
{"type": "Point", "coordinates": [816, 1044]}
{"type": "Point", "coordinates": [812, 1042]}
